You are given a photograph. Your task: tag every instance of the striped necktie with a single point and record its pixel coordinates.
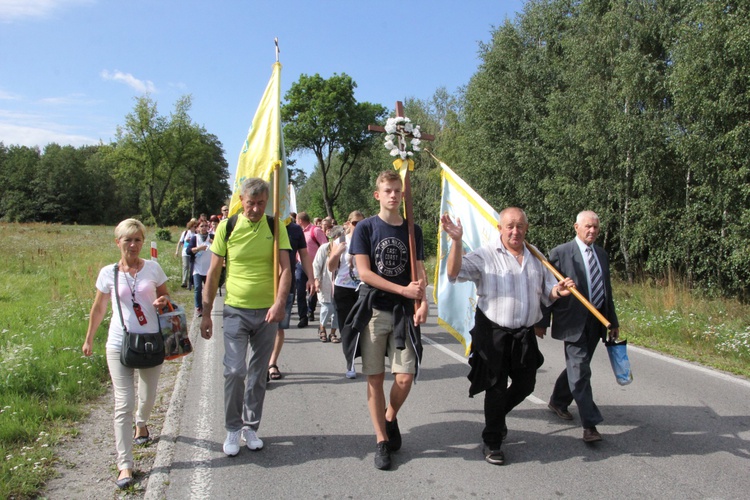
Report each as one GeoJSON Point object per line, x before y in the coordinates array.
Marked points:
{"type": "Point", "coordinates": [597, 284]}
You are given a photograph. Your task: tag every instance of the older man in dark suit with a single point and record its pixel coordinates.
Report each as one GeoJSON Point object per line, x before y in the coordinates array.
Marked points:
{"type": "Point", "coordinates": [588, 265]}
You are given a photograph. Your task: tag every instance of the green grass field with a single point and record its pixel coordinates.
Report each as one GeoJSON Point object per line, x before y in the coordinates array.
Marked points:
{"type": "Point", "coordinates": [47, 290]}
{"type": "Point", "coordinates": [45, 297]}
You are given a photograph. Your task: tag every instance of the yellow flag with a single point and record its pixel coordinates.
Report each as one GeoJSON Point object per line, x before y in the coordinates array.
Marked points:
{"type": "Point", "coordinates": [264, 149]}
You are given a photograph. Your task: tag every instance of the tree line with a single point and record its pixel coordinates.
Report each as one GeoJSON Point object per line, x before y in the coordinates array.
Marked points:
{"type": "Point", "coordinates": [638, 110]}
{"type": "Point", "coordinates": [163, 170]}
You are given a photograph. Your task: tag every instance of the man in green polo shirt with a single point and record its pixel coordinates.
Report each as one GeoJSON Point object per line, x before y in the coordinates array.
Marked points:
{"type": "Point", "coordinates": [251, 311]}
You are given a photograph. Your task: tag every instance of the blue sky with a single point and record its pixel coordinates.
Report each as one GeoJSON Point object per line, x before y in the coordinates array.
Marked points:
{"type": "Point", "coordinates": [71, 69]}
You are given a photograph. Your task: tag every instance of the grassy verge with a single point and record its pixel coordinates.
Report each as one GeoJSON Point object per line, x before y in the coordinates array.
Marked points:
{"type": "Point", "coordinates": [45, 296]}
{"type": "Point", "coordinates": [671, 319]}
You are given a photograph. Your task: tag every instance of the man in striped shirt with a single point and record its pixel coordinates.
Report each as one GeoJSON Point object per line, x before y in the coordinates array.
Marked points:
{"type": "Point", "coordinates": [511, 286]}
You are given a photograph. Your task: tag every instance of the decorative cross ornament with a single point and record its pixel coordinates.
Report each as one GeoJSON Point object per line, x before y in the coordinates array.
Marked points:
{"type": "Point", "coordinates": [408, 206]}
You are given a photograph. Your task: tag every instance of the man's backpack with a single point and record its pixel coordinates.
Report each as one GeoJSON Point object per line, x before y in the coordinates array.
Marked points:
{"type": "Point", "coordinates": [232, 221]}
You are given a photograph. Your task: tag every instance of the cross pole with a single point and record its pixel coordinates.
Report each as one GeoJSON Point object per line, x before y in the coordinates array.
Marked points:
{"type": "Point", "coordinates": [408, 206]}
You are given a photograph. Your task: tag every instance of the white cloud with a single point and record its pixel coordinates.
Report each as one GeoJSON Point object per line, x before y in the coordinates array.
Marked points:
{"type": "Point", "coordinates": [31, 129]}
{"type": "Point", "coordinates": [20, 135]}
{"type": "Point", "coordinates": [142, 86]}
{"type": "Point", "coordinates": [11, 10]}
{"type": "Point", "coordinates": [71, 99]}
{"type": "Point", "coordinates": [8, 96]}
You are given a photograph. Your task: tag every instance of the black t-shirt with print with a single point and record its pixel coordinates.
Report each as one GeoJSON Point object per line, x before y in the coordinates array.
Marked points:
{"type": "Point", "coordinates": [387, 247]}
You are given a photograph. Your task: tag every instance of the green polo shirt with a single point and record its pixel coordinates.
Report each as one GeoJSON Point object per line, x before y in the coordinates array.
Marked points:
{"type": "Point", "coordinates": [250, 262]}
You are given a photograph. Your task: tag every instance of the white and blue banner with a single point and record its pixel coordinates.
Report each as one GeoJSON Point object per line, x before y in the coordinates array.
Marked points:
{"type": "Point", "coordinates": [457, 302]}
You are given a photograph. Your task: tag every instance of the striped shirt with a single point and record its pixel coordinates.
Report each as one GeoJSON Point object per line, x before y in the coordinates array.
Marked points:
{"type": "Point", "coordinates": [509, 294]}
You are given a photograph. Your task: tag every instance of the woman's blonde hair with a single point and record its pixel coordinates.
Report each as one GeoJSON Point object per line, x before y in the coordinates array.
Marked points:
{"type": "Point", "coordinates": [130, 227]}
{"type": "Point", "coordinates": [355, 214]}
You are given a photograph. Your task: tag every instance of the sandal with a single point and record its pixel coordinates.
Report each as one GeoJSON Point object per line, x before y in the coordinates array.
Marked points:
{"type": "Point", "coordinates": [333, 338]}
{"type": "Point", "coordinates": [322, 334]}
{"type": "Point", "coordinates": [274, 375]}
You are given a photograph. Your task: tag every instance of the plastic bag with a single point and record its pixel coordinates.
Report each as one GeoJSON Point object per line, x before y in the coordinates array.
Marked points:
{"type": "Point", "coordinates": [618, 357]}
{"type": "Point", "coordinates": [173, 326]}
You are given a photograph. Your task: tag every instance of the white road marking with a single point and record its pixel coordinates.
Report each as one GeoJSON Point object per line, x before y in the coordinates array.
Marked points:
{"type": "Point", "coordinates": [693, 366]}
{"type": "Point", "coordinates": [200, 482]}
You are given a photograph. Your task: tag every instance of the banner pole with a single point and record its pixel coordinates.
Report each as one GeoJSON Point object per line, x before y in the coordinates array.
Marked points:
{"type": "Point", "coordinates": [588, 305]}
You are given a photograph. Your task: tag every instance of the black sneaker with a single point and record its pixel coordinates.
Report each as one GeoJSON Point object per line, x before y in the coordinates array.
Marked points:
{"type": "Point", "coordinates": [383, 456]}
{"type": "Point", "coordinates": [302, 322]}
{"type": "Point", "coordinates": [311, 316]}
{"type": "Point", "coordinates": [394, 435]}
{"type": "Point", "coordinates": [493, 456]}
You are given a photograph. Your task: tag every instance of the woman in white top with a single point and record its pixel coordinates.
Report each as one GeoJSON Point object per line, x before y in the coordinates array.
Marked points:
{"type": "Point", "coordinates": [347, 278]}
{"type": "Point", "coordinates": [141, 287]}
{"type": "Point", "coordinates": [182, 248]}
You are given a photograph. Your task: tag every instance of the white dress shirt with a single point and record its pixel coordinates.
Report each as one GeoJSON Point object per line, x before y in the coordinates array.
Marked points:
{"type": "Point", "coordinates": [509, 294]}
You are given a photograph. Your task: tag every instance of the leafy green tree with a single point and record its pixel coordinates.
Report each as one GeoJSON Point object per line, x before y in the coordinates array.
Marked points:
{"type": "Point", "coordinates": [203, 185]}
{"type": "Point", "coordinates": [152, 150]}
{"type": "Point", "coordinates": [709, 82]}
{"type": "Point", "coordinates": [17, 173]}
{"type": "Point", "coordinates": [323, 116]}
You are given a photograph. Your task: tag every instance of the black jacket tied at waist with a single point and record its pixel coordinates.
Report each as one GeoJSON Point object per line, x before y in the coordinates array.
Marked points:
{"type": "Point", "coordinates": [403, 323]}
{"type": "Point", "coordinates": [495, 349]}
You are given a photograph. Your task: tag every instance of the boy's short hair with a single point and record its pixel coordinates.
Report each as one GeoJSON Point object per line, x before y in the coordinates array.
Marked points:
{"type": "Point", "coordinates": [388, 176]}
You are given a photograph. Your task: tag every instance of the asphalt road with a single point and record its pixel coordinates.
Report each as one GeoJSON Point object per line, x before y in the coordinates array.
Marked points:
{"type": "Point", "coordinates": [678, 431]}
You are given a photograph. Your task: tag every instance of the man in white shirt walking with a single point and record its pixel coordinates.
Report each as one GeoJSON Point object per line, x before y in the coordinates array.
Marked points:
{"type": "Point", "coordinates": [511, 284]}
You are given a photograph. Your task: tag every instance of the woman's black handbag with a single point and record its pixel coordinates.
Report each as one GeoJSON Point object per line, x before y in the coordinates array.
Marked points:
{"type": "Point", "coordinates": [139, 350]}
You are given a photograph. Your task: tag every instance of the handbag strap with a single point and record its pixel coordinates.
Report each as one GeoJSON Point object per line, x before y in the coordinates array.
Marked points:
{"type": "Point", "coordinates": [117, 299]}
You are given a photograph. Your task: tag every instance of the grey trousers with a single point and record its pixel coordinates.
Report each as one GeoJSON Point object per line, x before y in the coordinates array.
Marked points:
{"type": "Point", "coordinates": [248, 344]}
{"type": "Point", "coordinates": [574, 383]}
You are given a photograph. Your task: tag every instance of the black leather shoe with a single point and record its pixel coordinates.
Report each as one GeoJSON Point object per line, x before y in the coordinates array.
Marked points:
{"type": "Point", "coordinates": [302, 322]}
{"type": "Point", "coordinates": [591, 435]}
{"type": "Point", "coordinates": [494, 457]}
{"type": "Point", "coordinates": [563, 414]}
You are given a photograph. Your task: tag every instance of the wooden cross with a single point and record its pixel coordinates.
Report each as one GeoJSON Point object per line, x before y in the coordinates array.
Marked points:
{"type": "Point", "coordinates": [408, 206]}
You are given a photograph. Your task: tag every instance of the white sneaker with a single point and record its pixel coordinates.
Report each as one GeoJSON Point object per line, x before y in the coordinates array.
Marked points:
{"type": "Point", "coordinates": [251, 438]}
{"type": "Point", "coordinates": [351, 374]}
{"type": "Point", "coordinates": [232, 443]}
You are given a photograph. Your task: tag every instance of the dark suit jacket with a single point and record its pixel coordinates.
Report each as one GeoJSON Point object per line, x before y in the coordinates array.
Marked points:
{"type": "Point", "coordinates": [568, 315]}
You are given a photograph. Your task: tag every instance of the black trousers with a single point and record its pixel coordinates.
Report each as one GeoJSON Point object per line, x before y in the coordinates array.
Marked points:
{"type": "Point", "coordinates": [500, 399]}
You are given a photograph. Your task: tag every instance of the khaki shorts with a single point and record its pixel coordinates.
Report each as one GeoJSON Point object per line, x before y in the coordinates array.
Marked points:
{"type": "Point", "coordinates": [377, 339]}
